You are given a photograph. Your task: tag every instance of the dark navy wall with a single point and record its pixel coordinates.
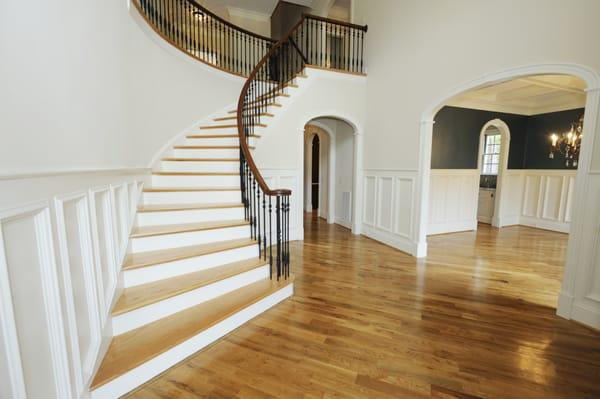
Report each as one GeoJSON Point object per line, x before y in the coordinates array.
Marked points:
{"type": "Point", "coordinates": [537, 146]}
{"type": "Point", "coordinates": [456, 131]}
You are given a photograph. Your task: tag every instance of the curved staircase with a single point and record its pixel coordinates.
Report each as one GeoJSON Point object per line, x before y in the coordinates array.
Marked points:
{"type": "Point", "coordinates": [210, 246]}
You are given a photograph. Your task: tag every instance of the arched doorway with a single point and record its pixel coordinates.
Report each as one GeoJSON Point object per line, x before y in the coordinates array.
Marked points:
{"type": "Point", "coordinates": [331, 182]}
{"type": "Point", "coordinates": [577, 298]}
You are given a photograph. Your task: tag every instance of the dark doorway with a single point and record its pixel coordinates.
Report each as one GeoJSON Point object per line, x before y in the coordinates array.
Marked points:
{"type": "Point", "coordinates": [315, 173]}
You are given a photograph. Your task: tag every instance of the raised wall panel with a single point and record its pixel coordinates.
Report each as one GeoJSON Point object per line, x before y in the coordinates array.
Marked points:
{"type": "Point", "coordinates": [384, 203]}
{"type": "Point", "coordinates": [453, 200]}
{"type": "Point", "coordinates": [78, 272]}
{"type": "Point", "coordinates": [31, 316]}
{"type": "Point", "coordinates": [121, 205]}
{"type": "Point", "coordinates": [104, 246]}
{"type": "Point", "coordinates": [6, 390]}
{"type": "Point", "coordinates": [569, 198]}
{"type": "Point", "coordinates": [552, 198]}
{"type": "Point", "coordinates": [531, 195]}
{"type": "Point", "coordinates": [369, 200]}
{"type": "Point", "coordinates": [403, 206]}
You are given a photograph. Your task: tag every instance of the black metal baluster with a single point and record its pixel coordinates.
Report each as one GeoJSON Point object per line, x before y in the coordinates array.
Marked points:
{"type": "Point", "coordinates": [270, 239]}
{"type": "Point", "coordinates": [264, 211]}
{"type": "Point", "coordinates": [278, 237]}
{"type": "Point", "coordinates": [362, 51]}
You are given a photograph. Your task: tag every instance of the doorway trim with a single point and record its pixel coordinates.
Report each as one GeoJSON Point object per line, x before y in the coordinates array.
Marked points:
{"type": "Point", "coordinates": [502, 165]}
{"type": "Point", "coordinates": [357, 172]}
{"type": "Point", "coordinates": [330, 172]}
{"type": "Point", "coordinates": [575, 299]}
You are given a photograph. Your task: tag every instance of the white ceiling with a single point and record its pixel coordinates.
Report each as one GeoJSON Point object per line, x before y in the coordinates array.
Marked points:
{"type": "Point", "coordinates": [530, 95]}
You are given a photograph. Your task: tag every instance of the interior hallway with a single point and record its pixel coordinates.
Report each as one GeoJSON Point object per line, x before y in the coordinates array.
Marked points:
{"type": "Point", "coordinates": [476, 319]}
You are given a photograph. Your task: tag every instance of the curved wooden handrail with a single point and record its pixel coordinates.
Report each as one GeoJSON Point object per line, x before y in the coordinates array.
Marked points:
{"type": "Point", "coordinates": [208, 33]}
{"type": "Point", "coordinates": [240, 120]}
{"type": "Point", "coordinates": [253, 76]}
{"type": "Point", "coordinates": [335, 21]}
{"type": "Point", "coordinates": [224, 21]}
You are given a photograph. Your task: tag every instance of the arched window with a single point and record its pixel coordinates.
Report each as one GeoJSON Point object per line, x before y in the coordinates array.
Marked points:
{"type": "Point", "coordinates": [491, 152]}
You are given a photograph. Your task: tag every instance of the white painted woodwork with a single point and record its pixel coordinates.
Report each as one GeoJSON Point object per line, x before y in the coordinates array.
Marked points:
{"type": "Point", "coordinates": [185, 239]}
{"type": "Point", "coordinates": [192, 152]}
{"type": "Point", "coordinates": [148, 274]}
{"type": "Point", "coordinates": [166, 307]}
{"type": "Point", "coordinates": [189, 197]}
{"type": "Point", "coordinates": [189, 216]}
{"type": "Point", "coordinates": [157, 365]}
{"type": "Point", "coordinates": [485, 205]}
{"type": "Point", "coordinates": [201, 166]}
{"type": "Point", "coordinates": [388, 207]}
{"type": "Point", "coordinates": [195, 180]}
{"type": "Point", "coordinates": [453, 200]}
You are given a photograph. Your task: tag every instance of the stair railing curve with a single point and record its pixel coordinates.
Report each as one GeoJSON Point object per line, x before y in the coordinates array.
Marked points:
{"type": "Point", "coordinates": [205, 36]}
{"type": "Point", "coordinates": [316, 41]}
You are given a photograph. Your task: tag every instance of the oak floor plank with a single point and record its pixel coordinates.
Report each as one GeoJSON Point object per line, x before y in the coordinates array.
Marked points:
{"type": "Point", "coordinates": [475, 319]}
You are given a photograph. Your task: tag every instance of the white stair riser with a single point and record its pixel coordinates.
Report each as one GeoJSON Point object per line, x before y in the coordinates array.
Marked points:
{"type": "Point", "coordinates": [195, 181]}
{"type": "Point", "coordinates": [146, 371]}
{"type": "Point", "coordinates": [147, 314]}
{"type": "Point", "coordinates": [207, 153]}
{"type": "Point", "coordinates": [149, 274]}
{"type": "Point", "coordinates": [190, 166]}
{"type": "Point", "coordinates": [189, 216]}
{"type": "Point", "coordinates": [176, 240]}
{"type": "Point", "coordinates": [218, 141]}
{"type": "Point", "coordinates": [189, 197]}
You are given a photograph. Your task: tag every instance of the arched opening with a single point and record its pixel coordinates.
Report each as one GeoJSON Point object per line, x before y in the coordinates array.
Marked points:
{"type": "Point", "coordinates": [532, 204]}
{"type": "Point", "coordinates": [330, 181]}
{"type": "Point", "coordinates": [494, 143]}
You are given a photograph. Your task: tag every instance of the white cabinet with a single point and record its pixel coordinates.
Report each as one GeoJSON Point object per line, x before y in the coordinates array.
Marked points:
{"type": "Point", "coordinates": [485, 207]}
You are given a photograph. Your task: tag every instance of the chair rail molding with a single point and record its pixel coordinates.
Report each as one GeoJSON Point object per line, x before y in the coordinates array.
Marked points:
{"type": "Point", "coordinates": [578, 282]}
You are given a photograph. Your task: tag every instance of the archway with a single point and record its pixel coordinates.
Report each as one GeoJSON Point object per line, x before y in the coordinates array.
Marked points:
{"type": "Point", "coordinates": [580, 252]}
{"type": "Point", "coordinates": [338, 177]}
{"type": "Point", "coordinates": [504, 130]}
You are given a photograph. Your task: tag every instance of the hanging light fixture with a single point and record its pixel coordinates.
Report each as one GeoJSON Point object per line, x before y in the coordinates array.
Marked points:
{"type": "Point", "coordinates": [568, 144]}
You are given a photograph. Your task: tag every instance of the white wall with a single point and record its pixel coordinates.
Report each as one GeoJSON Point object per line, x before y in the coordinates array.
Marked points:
{"type": "Point", "coordinates": [419, 52]}
{"type": "Point", "coordinates": [85, 87]}
{"type": "Point", "coordinates": [322, 94]}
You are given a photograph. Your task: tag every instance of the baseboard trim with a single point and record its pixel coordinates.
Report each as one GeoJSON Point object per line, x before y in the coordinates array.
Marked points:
{"type": "Point", "coordinates": [393, 240]}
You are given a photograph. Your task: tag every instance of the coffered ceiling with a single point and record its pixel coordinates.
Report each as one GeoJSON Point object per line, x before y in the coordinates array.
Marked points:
{"type": "Point", "coordinates": [530, 95]}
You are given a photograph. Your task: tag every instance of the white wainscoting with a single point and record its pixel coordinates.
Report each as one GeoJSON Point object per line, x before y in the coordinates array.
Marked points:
{"type": "Point", "coordinates": [531, 197]}
{"type": "Point", "coordinates": [290, 179]}
{"type": "Point", "coordinates": [62, 239]}
{"type": "Point", "coordinates": [453, 197]}
{"type": "Point", "coordinates": [538, 198]}
{"type": "Point", "coordinates": [388, 207]}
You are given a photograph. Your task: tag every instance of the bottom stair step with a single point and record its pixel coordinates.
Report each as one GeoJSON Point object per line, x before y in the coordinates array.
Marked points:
{"type": "Point", "coordinates": [139, 355]}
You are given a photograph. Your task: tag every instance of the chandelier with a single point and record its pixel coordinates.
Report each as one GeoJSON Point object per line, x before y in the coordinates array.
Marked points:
{"type": "Point", "coordinates": [568, 144]}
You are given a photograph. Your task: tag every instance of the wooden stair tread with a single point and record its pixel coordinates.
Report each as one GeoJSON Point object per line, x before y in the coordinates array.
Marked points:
{"type": "Point", "coordinates": [215, 136]}
{"type": "Point", "coordinates": [260, 105]}
{"type": "Point", "coordinates": [209, 147]}
{"type": "Point", "coordinates": [133, 348]}
{"type": "Point", "coordinates": [229, 118]}
{"type": "Point", "coordinates": [150, 231]}
{"type": "Point", "coordinates": [142, 295]}
{"type": "Point", "coordinates": [150, 258]}
{"type": "Point", "coordinates": [171, 173]}
{"type": "Point", "coordinates": [186, 207]}
{"type": "Point", "coordinates": [187, 189]}
{"type": "Point", "coordinates": [174, 159]}
{"type": "Point", "coordinates": [218, 126]}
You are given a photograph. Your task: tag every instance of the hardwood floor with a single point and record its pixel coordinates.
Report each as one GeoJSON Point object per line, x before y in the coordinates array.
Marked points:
{"type": "Point", "coordinates": [476, 319]}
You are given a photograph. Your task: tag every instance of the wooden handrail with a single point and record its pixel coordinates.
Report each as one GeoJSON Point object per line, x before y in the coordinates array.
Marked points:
{"type": "Point", "coordinates": [335, 21]}
{"type": "Point", "coordinates": [253, 76]}
{"type": "Point", "coordinates": [224, 21]}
